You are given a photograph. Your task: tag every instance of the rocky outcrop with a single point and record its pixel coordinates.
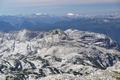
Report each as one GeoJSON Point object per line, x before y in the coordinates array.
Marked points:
{"type": "Point", "coordinates": [57, 54]}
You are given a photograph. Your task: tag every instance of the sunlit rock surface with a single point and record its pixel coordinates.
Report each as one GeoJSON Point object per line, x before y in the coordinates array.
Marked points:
{"type": "Point", "coordinates": [58, 55]}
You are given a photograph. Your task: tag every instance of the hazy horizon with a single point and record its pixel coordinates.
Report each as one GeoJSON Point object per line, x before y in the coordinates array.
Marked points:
{"type": "Point", "coordinates": [62, 7]}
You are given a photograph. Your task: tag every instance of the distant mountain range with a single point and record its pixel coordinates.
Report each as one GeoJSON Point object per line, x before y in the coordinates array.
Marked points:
{"type": "Point", "coordinates": [109, 25]}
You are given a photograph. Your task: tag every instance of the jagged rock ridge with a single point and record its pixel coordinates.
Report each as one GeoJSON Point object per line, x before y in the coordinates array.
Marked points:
{"type": "Point", "coordinates": [33, 55]}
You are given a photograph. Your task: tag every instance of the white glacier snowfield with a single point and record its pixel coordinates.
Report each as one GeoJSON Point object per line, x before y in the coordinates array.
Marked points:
{"type": "Point", "coordinates": [58, 55]}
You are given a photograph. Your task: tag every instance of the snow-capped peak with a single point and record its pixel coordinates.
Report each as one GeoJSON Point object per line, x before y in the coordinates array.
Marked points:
{"type": "Point", "coordinates": [64, 55]}
{"type": "Point", "coordinates": [41, 14]}
{"type": "Point", "coordinates": [72, 14]}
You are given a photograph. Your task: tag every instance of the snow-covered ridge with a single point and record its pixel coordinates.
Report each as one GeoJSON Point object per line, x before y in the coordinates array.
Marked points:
{"type": "Point", "coordinates": [34, 55]}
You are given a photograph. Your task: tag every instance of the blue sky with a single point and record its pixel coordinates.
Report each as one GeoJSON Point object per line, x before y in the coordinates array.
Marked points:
{"type": "Point", "coordinates": [58, 7]}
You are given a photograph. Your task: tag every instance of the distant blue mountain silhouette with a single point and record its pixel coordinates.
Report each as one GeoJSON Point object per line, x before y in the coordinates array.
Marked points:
{"type": "Point", "coordinates": [106, 25]}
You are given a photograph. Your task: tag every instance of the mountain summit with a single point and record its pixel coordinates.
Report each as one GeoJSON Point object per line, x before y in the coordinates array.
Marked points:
{"type": "Point", "coordinates": [57, 54]}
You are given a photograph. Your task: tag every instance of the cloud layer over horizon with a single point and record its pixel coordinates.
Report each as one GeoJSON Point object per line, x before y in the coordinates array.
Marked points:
{"type": "Point", "coordinates": [55, 2]}
{"type": "Point", "coordinates": [10, 6]}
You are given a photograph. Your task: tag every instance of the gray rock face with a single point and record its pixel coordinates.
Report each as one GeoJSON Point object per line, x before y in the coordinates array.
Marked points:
{"type": "Point", "coordinates": [70, 54]}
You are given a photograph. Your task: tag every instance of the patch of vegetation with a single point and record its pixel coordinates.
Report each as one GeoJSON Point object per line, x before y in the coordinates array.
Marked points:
{"type": "Point", "coordinates": [116, 75]}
